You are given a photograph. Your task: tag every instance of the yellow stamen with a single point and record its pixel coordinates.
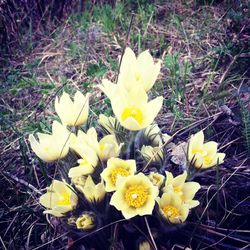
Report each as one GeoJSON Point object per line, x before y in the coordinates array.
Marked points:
{"type": "Point", "coordinates": [207, 160]}
{"type": "Point", "coordinates": [136, 196]}
{"type": "Point", "coordinates": [170, 211]}
{"type": "Point", "coordinates": [137, 76]}
{"type": "Point", "coordinates": [178, 190]}
{"type": "Point", "coordinates": [102, 146]}
{"type": "Point", "coordinates": [119, 171]}
{"type": "Point", "coordinates": [134, 113]}
{"type": "Point", "coordinates": [64, 199]}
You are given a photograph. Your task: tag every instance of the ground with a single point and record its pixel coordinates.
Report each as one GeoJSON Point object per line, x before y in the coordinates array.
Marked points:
{"type": "Point", "coordinates": [204, 47]}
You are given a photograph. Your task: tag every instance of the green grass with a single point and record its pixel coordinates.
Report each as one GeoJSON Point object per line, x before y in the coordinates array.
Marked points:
{"type": "Point", "coordinates": [196, 47]}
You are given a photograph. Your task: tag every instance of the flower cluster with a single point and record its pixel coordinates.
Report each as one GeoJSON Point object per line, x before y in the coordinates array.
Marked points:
{"type": "Point", "coordinates": [120, 163]}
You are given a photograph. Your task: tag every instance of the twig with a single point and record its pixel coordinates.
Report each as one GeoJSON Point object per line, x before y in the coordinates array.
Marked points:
{"type": "Point", "coordinates": [150, 234]}
{"type": "Point", "coordinates": [23, 182]}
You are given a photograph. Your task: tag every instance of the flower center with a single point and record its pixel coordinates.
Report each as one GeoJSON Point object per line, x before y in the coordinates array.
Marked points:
{"type": "Point", "coordinates": [102, 146]}
{"type": "Point", "coordinates": [119, 171]}
{"type": "Point", "coordinates": [64, 199]}
{"type": "Point", "coordinates": [136, 196]}
{"type": "Point", "coordinates": [134, 113]}
{"type": "Point", "coordinates": [137, 76]}
{"type": "Point", "coordinates": [207, 160]}
{"type": "Point", "coordinates": [178, 190]}
{"type": "Point", "coordinates": [199, 151]}
{"type": "Point", "coordinates": [170, 211]}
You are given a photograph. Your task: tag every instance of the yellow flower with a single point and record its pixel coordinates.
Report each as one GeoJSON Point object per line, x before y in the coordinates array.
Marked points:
{"type": "Point", "coordinates": [109, 147]}
{"type": "Point", "coordinates": [172, 208]}
{"type": "Point", "coordinates": [79, 180]}
{"type": "Point", "coordinates": [86, 221]}
{"type": "Point", "coordinates": [154, 153]}
{"type": "Point", "coordinates": [92, 192]}
{"type": "Point", "coordinates": [185, 190]}
{"type": "Point", "coordinates": [116, 168]}
{"type": "Point", "coordinates": [88, 147]}
{"type": "Point", "coordinates": [84, 168]}
{"type": "Point", "coordinates": [59, 198]}
{"type": "Point", "coordinates": [154, 134]}
{"type": "Point", "coordinates": [156, 179]}
{"type": "Point", "coordinates": [72, 113]}
{"type": "Point", "coordinates": [144, 246]}
{"type": "Point", "coordinates": [141, 71]}
{"type": "Point", "coordinates": [51, 147]}
{"type": "Point", "coordinates": [135, 195]}
{"type": "Point", "coordinates": [132, 108]}
{"type": "Point", "coordinates": [89, 161]}
{"type": "Point", "coordinates": [203, 155]}
{"type": "Point", "coordinates": [108, 123]}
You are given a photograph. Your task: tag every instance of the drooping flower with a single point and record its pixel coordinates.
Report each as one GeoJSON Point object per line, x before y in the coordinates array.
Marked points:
{"type": "Point", "coordinates": [51, 147]}
{"type": "Point", "coordinates": [86, 221]}
{"type": "Point", "coordinates": [154, 134]}
{"type": "Point", "coordinates": [72, 113]}
{"type": "Point", "coordinates": [87, 146]}
{"type": "Point", "coordinates": [138, 71]}
{"type": "Point", "coordinates": [156, 178]}
{"type": "Point", "coordinates": [203, 155]}
{"type": "Point", "coordinates": [172, 208]}
{"type": "Point", "coordinates": [132, 108]}
{"type": "Point", "coordinates": [108, 123]}
{"type": "Point", "coordinates": [154, 154]}
{"type": "Point", "coordinates": [185, 190]}
{"type": "Point", "coordinates": [59, 199]}
{"type": "Point", "coordinates": [135, 195]}
{"type": "Point", "coordinates": [117, 168]}
{"type": "Point", "coordinates": [92, 192]}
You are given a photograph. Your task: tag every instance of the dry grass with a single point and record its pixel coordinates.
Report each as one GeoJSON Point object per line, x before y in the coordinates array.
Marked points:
{"type": "Point", "coordinates": [76, 55]}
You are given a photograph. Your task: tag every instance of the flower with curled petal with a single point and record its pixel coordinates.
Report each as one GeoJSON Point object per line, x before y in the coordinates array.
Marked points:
{"type": "Point", "coordinates": [59, 199]}
{"type": "Point", "coordinates": [172, 208]}
{"type": "Point", "coordinates": [54, 146]}
{"type": "Point", "coordinates": [185, 190]}
{"type": "Point", "coordinates": [203, 155]}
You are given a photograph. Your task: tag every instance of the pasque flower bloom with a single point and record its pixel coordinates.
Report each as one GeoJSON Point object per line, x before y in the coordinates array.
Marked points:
{"type": "Point", "coordinates": [139, 70]}
{"type": "Point", "coordinates": [89, 157]}
{"type": "Point", "coordinates": [106, 148]}
{"type": "Point", "coordinates": [156, 178]}
{"type": "Point", "coordinates": [72, 113]}
{"type": "Point", "coordinates": [85, 222]}
{"type": "Point", "coordinates": [203, 155]}
{"type": "Point", "coordinates": [185, 190]}
{"type": "Point", "coordinates": [134, 195]}
{"type": "Point", "coordinates": [51, 147]}
{"type": "Point", "coordinates": [154, 154]}
{"type": "Point", "coordinates": [117, 168]}
{"type": "Point", "coordinates": [173, 208]}
{"type": "Point", "coordinates": [153, 133]}
{"type": "Point", "coordinates": [59, 199]}
{"type": "Point", "coordinates": [108, 123]}
{"type": "Point", "coordinates": [92, 192]}
{"type": "Point", "coordinates": [132, 108]}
